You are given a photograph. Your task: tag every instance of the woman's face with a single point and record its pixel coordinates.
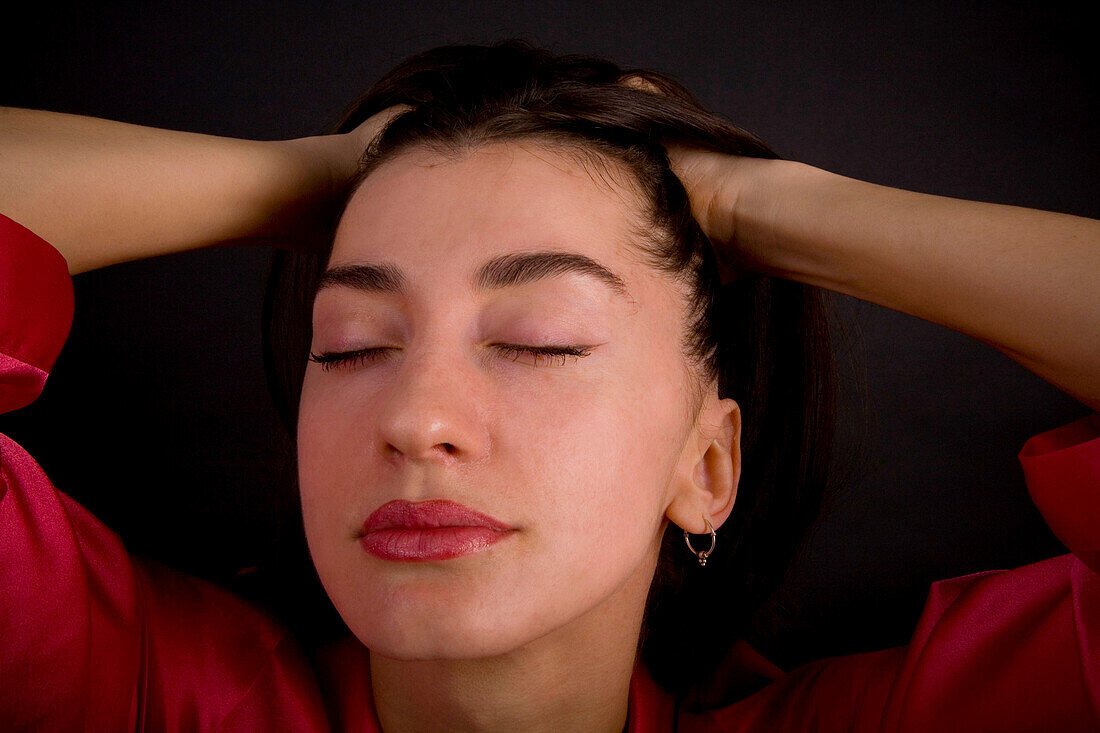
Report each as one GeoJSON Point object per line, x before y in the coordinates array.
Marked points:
{"type": "Point", "coordinates": [573, 457]}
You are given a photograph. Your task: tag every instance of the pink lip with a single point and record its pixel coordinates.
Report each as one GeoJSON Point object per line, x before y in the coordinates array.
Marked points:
{"type": "Point", "coordinates": [429, 530]}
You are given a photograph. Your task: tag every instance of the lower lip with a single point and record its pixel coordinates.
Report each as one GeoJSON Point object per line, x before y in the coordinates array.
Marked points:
{"type": "Point", "coordinates": [436, 543]}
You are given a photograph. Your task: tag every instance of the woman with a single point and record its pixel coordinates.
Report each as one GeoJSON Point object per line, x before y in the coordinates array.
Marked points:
{"type": "Point", "coordinates": [518, 392]}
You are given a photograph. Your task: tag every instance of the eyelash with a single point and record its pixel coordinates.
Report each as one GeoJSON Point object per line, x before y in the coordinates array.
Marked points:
{"type": "Point", "coordinates": [348, 359]}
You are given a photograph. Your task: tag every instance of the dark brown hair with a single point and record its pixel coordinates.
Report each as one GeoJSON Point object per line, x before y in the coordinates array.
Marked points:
{"type": "Point", "coordinates": [765, 341]}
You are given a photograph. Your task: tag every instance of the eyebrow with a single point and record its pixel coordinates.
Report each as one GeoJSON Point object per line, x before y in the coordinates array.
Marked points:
{"type": "Point", "coordinates": [510, 270]}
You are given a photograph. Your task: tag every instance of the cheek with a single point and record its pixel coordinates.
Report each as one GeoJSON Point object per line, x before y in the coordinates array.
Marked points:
{"type": "Point", "coordinates": [581, 464]}
{"type": "Point", "coordinates": [327, 479]}
{"type": "Point", "coordinates": [318, 431]}
{"type": "Point", "coordinates": [597, 469]}
{"type": "Point", "coordinates": [331, 429]}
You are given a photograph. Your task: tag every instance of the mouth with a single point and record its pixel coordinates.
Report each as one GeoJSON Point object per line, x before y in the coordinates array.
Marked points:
{"type": "Point", "coordinates": [403, 531]}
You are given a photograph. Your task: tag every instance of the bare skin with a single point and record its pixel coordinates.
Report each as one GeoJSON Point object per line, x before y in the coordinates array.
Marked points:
{"type": "Point", "coordinates": [1018, 279]}
{"type": "Point", "coordinates": [103, 192]}
{"type": "Point", "coordinates": [587, 458]}
{"type": "Point", "coordinates": [1021, 280]}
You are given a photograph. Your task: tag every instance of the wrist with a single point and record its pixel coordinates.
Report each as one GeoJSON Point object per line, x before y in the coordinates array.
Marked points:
{"type": "Point", "coordinates": [740, 203]}
{"type": "Point", "coordinates": [329, 162]}
{"type": "Point", "coordinates": [303, 181]}
{"type": "Point", "coordinates": [779, 217]}
{"type": "Point", "coordinates": [766, 196]}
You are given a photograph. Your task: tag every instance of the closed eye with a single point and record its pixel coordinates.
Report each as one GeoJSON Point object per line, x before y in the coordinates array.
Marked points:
{"type": "Point", "coordinates": [546, 355]}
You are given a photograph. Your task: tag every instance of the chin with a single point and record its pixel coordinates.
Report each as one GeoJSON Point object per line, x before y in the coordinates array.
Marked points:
{"type": "Point", "coordinates": [439, 635]}
{"type": "Point", "coordinates": [462, 616]}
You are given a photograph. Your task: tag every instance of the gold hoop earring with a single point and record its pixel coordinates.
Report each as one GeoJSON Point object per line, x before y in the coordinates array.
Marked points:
{"type": "Point", "coordinates": [702, 554]}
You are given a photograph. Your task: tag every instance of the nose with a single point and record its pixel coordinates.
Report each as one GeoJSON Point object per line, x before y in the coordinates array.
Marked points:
{"type": "Point", "coordinates": [430, 412]}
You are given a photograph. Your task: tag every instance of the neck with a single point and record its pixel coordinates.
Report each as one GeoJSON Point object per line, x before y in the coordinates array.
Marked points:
{"type": "Point", "coordinates": [576, 678]}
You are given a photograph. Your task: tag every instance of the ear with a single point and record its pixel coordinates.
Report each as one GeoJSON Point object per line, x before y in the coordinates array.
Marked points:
{"type": "Point", "coordinates": [705, 482]}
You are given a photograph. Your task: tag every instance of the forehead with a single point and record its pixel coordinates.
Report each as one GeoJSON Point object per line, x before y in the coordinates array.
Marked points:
{"type": "Point", "coordinates": [496, 198]}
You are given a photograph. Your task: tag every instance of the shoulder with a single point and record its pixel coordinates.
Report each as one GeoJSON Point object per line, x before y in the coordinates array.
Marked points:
{"type": "Point", "coordinates": [213, 658]}
{"type": "Point", "coordinates": [186, 613]}
{"type": "Point", "coordinates": [999, 649]}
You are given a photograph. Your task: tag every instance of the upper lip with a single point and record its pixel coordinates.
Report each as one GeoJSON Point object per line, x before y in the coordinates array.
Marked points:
{"type": "Point", "coordinates": [401, 514]}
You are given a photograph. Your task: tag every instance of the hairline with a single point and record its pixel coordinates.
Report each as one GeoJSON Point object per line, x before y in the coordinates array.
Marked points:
{"type": "Point", "coordinates": [644, 235]}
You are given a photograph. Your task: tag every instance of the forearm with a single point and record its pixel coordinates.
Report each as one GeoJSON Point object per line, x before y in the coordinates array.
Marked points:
{"type": "Point", "coordinates": [104, 192]}
{"type": "Point", "coordinates": [1021, 280]}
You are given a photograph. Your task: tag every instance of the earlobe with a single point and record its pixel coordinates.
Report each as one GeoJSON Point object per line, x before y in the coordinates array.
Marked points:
{"type": "Point", "coordinates": [706, 480]}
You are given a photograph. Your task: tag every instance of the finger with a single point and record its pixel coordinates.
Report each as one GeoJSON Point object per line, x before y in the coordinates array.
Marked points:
{"type": "Point", "coordinates": [369, 130]}
{"type": "Point", "coordinates": [386, 116]}
{"type": "Point", "coordinates": [640, 83]}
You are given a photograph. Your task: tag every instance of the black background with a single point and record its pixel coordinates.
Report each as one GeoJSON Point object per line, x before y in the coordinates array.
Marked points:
{"type": "Point", "coordinates": [157, 416]}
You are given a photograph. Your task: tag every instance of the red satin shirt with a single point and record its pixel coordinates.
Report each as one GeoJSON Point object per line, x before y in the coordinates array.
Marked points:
{"type": "Point", "coordinates": [94, 639]}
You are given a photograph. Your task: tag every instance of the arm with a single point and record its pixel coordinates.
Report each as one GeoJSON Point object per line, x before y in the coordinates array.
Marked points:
{"type": "Point", "coordinates": [104, 192]}
{"type": "Point", "coordinates": [89, 637]}
{"type": "Point", "coordinates": [1020, 280]}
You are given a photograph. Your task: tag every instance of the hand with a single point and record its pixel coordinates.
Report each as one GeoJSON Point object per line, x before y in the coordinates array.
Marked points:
{"type": "Point", "coordinates": [713, 187]}
{"type": "Point", "coordinates": [325, 165]}
{"type": "Point", "coordinates": [348, 148]}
